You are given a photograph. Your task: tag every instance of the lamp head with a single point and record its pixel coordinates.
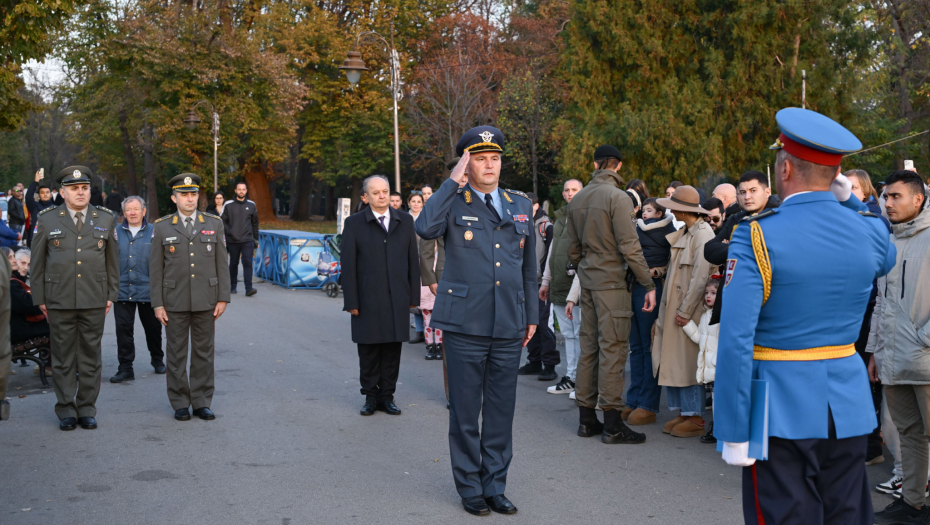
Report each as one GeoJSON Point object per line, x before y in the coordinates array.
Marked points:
{"type": "Point", "coordinates": [353, 65]}
{"type": "Point", "coordinates": [192, 119]}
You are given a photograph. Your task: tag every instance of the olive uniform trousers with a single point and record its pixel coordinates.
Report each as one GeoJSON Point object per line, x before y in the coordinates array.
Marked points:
{"type": "Point", "coordinates": [198, 329]}
{"type": "Point", "coordinates": [76, 361]}
{"type": "Point", "coordinates": [604, 339]}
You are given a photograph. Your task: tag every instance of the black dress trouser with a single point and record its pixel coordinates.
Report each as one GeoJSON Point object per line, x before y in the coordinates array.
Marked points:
{"type": "Point", "coordinates": [379, 366]}
{"type": "Point", "coordinates": [245, 250]}
{"type": "Point", "coordinates": [541, 347]}
{"type": "Point", "coordinates": [810, 481]}
{"type": "Point", "coordinates": [124, 312]}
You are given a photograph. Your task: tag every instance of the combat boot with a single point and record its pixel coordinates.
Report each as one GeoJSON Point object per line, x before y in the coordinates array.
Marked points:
{"type": "Point", "coordinates": [616, 432]}
{"type": "Point", "coordinates": [588, 425]}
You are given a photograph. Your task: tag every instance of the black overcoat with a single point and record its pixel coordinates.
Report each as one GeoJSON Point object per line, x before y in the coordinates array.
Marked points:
{"type": "Point", "coordinates": [380, 276]}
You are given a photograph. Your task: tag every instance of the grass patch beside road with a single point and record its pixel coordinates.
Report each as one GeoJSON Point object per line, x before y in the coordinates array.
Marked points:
{"type": "Point", "coordinates": [304, 226]}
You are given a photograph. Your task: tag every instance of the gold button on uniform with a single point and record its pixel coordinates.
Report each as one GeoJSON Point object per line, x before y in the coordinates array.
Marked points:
{"type": "Point", "coordinates": [192, 276]}
{"type": "Point", "coordinates": [450, 291]}
{"type": "Point", "coordinates": [192, 255]}
{"type": "Point", "coordinates": [79, 276]}
{"type": "Point", "coordinates": [79, 262]}
{"type": "Point", "coordinates": [80, 250]}
{"type": "Point", "coordinates": [497, 245]}
{"type": "Point", "coordinates": [79, 237]}
{"type": "Point", "coordinates": [497, 264]}
{"type": "Point", "coordinates": [498, 283]}
{"type": "Point", "coordinates": [192, 265]}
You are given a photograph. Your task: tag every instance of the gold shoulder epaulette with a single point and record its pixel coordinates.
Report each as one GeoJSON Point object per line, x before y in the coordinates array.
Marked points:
{"type": "Point", "coordinates": [520, 193]}
{"type": "Point", "coordinates": [46, 210]}
{"type": "Point", "coordinates": [211, 215]}
{"type": "Point", "coordinates": [166, 217]}
{"type": "Point", "coordinates": [767, 213]}
{"type": "Point", "coordinates": [101, 208]}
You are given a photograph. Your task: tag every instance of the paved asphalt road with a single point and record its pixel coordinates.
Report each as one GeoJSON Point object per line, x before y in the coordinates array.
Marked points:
{"type": "Point", "coordinates": [288, 445]}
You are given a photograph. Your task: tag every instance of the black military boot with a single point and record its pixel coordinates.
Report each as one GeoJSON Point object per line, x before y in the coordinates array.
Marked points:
{"type": "Point", "coordinates": [429, 352]}
{"type": "Point", "coordinates": [616, 431]}
{"type": "Point", "coordinates": [588, 425]}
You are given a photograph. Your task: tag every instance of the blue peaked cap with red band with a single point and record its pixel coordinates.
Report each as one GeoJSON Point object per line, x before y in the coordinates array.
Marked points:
{"type": "Point", "coordinates": [813, 137]}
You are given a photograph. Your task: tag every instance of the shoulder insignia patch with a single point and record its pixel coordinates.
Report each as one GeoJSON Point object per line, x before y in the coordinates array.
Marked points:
{"type": "Point", "coordinates": [508, 198]}
{"type": "Point", "coordinates": [520, 193]}
{"type": "Point", "coordinates": [46, 210]}
{"type": "Point", "coordinates": [868, 214]}
{"type": "Point", "coordinates": [200, 218]}
{"type": "Point", "coordinates": [467, 197]}
{"type": "Point", "coordinates": [166, 217]}
{"type": "Point", "coordinates": [767, 213]}
{"type": "Point", "coordinates": [211, 215]}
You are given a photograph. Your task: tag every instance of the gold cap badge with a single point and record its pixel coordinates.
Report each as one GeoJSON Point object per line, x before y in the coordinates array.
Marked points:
{"type": "Point", "coordinates": [487, 136]}
{"type": "Point", "coordinates": [187, 180]}
{"type": "Point", "coordinates": [76, 174]}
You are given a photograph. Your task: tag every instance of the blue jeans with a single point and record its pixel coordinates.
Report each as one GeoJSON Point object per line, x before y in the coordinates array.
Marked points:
{"type": "Point", "coordinates": [690, 399]}
{"type": "Point", "coordinates": [644, 388]}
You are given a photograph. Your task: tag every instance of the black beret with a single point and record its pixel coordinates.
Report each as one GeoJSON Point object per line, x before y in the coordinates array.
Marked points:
{"type": "Point", "coordinates": [606, 151]}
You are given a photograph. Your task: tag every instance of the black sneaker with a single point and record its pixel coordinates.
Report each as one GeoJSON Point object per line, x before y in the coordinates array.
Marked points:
{"type": "Point", "coordinates": [897, 493]}
{"type": "Point", "coordinates": [530, 368]}
{"type": "Point", "coordinates": [565, 386]}
{"type": "Point", "coordinates": [899, 512]}
{"type": "Point", "coordinates": [548, 374]}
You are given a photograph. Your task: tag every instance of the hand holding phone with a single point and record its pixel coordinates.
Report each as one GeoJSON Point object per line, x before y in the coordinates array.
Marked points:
{"type": "Point", "coordinates": [909, 165]}
{"type": "Point", "coordinates": [40, 174]}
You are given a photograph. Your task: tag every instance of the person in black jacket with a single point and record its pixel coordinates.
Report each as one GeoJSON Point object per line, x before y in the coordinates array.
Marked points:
{"type": "Point", "coordinates": [114, 201]}
{"type": "Point", "coordinates": [240, 220]}
{"type": "Point", "coordinates": [754, 196]}
{"type": "Point", "coordinates": [16, 213]}
{"type": "Point", "coordinates": [36, 205]}
{"type": "Point", "coordinates": [96, 197]}
{"type": "Point", "coordinates": [380, 283]}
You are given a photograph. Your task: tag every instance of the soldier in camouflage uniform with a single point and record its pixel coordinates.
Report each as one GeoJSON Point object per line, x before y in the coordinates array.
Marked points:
{"type": "Point", "coordinates": [75, 279]}
{"type": "Point", "coordinates": [189, 284]}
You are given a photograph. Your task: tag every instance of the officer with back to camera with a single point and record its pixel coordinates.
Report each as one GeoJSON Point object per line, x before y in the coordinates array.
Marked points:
{"type": "Point", "coordinates": [486, 306]}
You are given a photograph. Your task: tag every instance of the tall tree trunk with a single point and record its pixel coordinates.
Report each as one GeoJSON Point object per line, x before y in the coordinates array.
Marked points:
{"type": "Point", "coordinates": [330, 214]}
{"type": "Point", "coordinates": [305, 183]}
{"type": "Point", "coordinates": [148, 166]}
{"type": "Point", "coordinates": [257, 180]}
{"type": "Point", "coordinates": [317, 200]}
{"type": "Point", "coordinates": [131, 183]}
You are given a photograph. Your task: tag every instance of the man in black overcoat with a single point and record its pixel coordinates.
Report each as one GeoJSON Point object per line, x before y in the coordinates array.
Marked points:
{"type": "Point", "coordinates": [380, 283]}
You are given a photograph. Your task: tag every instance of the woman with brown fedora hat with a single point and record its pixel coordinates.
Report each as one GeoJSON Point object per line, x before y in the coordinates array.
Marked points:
{"type": "Point", "coordinates": [674, 354]}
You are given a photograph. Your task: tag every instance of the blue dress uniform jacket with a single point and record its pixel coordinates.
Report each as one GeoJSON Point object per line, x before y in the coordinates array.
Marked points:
{"type": "Point", "coordinates": [134, 262]}
{"type": "Point", "coordinates": [488, 286]}
{"type": "Point", "coordinates": [823, 258]}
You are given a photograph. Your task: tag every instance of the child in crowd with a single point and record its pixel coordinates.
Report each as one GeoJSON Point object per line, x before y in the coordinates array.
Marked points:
{"type": "Point", "coordinates": [642, 398]}
{"type": "Point", "coordinates": [706, 335]}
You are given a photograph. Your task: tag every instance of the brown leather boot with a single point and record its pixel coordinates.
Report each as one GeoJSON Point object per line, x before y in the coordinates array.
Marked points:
{"type": "Point", "coordinates": [667, 429]}
{"type": "Point", "coordinates": [641, 416]}
{"type": "Point", "coordinates": [625, 412]}
{"type": "Point", "coordinates": [693, 426]}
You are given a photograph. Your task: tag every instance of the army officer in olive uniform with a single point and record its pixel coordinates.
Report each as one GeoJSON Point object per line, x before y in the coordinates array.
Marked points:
{"type": "Point", "coordinates": [189, 284]}
{"type": "Point", "coordinates": [75, 279]}
{"type": "Point", "coordinates": [486, 305]}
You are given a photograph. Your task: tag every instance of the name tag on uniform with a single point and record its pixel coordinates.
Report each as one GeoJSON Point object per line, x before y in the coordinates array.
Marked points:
{"type": "Point", "coordinates": [54, 233]}
{"type": "Point", "coordinates": [521, 218]}
{"type": "Point", "coordinates": [464, 218]}
{"type": "Point", "coordinates": [169, 238]}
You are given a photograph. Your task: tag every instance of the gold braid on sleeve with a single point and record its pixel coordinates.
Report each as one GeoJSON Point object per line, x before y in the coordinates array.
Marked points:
{"type": "Point", "coordinates": [762, 259]}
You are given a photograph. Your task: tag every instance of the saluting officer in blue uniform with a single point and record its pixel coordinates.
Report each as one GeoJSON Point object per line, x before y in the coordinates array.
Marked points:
{"type": "Point", "coordinates": [798, 279]}
{"type": "Point", "coordinates": [486, 307]}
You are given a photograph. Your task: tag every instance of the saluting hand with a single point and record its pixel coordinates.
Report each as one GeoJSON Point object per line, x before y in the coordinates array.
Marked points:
{"type": "Point", "coordinates": [458, 172]}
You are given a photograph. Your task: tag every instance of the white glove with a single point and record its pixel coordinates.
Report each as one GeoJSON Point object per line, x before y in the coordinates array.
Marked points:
{"type": "Point", "coordinates": [737, 454]}
{"type": "Point", "coordinates": [841, 188]}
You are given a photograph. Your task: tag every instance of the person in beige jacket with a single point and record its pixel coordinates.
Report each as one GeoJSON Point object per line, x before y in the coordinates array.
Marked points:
{"type": "Point", "coordinates": [674, 354]}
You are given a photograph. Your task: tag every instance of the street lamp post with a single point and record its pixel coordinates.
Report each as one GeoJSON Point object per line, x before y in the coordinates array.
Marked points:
{"type": "Point", "coordinates": [193, 119]}
{"type": "Point", "coordinates": [353, 67]}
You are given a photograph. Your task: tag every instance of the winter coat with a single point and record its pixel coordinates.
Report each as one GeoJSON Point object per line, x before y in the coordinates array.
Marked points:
{"type": "Point", "coordinates": [705, 336]}
{"type": "Point", "coordinates": [674, 354]}
{"type": "Point", "coordinates": [8, 237]}
{"type": "Point", "coordinates": [602, 237]}
{"type": "Point", "coordinates": [134, 262]}
{"type": "Point", "coordinates": [656, 248]}
{"type": "Point", "coordinates": [16, 214]}
{"type": "Point", "coordinates": [380, 276]}
{"type": "Point", "coordinates": [904, 312]}
{"type": "Point", "coordinates": [240, 220]}
{"type": "Point", "coordinates": [556, 275]}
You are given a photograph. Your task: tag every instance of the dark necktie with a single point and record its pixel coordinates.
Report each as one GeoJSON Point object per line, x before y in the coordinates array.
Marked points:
{"type": "Point", "coordinates": [190, 225]}
{"type": "Point", "coordinates": [490, 203]}
{"type": "Point", "coordinates": [381, 218]}
{"type": "Point", "coordinates": [80, 220]}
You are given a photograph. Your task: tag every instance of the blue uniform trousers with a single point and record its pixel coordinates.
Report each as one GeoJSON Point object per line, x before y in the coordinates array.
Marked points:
{"type": "Point", "coordinates": [810, 481]}
{"type": "Point", "coordinates": [482, 381]}
{"type": "Point", "coordinates": [644, 388]}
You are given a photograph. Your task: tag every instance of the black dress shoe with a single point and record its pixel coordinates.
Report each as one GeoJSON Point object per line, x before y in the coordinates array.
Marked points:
{"type": "Point", "coordinates": [389, 407]}
{"type": "Point", "coordinates": [476, 505]}
{"type": "Point", "coordinates": [87, 423]}
{"type": "Point", "coordinates": [68, 423]}
{"type": "Point", "coordinates": [250, 293]}
{"type": "Point", "coordinates": [182, 414]}
{"type": "Point", "coordinates": [500, 504]}
{"type": "Point", "coordinates": [709, 436]}
{"type": "Point", "coordinates": [204, 413]}
{"type": "Point", "coordinates": [530, 368]}
{"type": "Point", "coordinates": [369, 407]}
{"type": "Point", "coordinates": [122, 376]}
{"type": "Point", "coordinates": [159, 368]}
{"type": "Point", "coordinates": [548, 374]}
